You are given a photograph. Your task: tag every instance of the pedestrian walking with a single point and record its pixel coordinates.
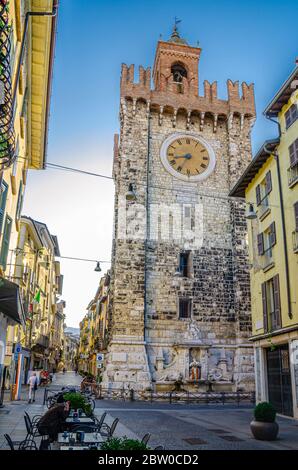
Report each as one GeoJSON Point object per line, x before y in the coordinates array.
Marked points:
{"type": "Point", "coordinates": [32, 382]}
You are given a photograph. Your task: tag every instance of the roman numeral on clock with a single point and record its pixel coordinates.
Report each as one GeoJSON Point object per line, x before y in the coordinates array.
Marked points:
{"type": "Point", "coordinates": [188, 172]}
{"type": "Point", "coordinates": [179, 168]}
{"type": "Point", "coordinates": [203, 165]}
{"type": "Point", "coordinates": [172, 162]}
{"type": "Point", "coordinates": [205, 158]}
{"type": "Point", "coordinates": [170, 154]}
{"type": "Point", "coordinates": [187, 141]}
{"type": "Point", "coordinates": [179, 142]}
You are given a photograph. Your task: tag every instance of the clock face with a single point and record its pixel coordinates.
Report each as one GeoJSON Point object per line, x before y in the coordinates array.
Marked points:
{"type": "Point", "coordinates": [187, 157]}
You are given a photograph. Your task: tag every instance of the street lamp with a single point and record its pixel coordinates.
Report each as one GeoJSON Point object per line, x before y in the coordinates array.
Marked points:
{"type": "Point", "coordinates": [131, 195]}
{"type": "Point", "coordinates": [251, 214]}
{"type": "Point", "coordinates": [97, 267]}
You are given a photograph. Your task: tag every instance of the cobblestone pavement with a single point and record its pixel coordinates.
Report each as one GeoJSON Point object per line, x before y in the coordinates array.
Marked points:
{"type": "Point", "coordinates": [195, 427]}
{"type": "Point", "coordinates": [176, 426]}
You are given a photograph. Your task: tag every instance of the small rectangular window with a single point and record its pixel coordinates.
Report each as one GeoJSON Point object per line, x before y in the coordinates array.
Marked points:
{"type": "Point", "coordinates": [291, 115]}
{"type": "Point", "coordinates": [184, 264]}
{"type": "Point", "coordinates": [184, 308]}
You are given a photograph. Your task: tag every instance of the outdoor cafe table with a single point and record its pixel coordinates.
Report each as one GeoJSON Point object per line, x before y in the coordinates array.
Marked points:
{"type": "Point", "coordinates": [80, 420]}
{"type": "Point", "coordinates": [74, 448]}
{"type": "Point", "coordinates": [89, 438]}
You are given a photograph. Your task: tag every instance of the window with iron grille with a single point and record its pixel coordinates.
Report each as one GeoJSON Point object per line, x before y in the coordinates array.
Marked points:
{"type": "Point", "coordinates": [291, 115]}
{"type": "Point", "coordinates": [185, 308]}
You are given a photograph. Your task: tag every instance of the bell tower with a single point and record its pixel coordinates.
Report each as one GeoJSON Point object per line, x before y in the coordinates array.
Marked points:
{"type": "Point", "coordinates": [176, 66]}
{"type": "Point", "coordinates": [176, 304]}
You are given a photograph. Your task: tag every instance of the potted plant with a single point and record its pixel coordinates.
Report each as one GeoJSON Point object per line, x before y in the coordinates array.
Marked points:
{"type": "Point", "coordinates": [264, 427]}
{"type": "Point", "coordinates": [77, 402]}
{"type": "Point", "coordinates": [123, 443]}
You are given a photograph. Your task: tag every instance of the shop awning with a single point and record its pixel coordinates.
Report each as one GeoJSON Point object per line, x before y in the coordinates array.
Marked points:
{"type": "Point", "coordinates": [10, 301]}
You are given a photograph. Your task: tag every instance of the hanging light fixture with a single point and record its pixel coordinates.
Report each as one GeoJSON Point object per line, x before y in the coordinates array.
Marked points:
{"type": "Point", "coordinates": [97, 267]}
{"type": "Point", "coordinates": [251, 214]}
{"type": "Point", "coordinates": [130, 195]}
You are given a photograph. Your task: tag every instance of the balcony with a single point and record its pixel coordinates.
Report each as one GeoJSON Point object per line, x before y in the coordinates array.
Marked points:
{"type": "Point", "coordinates": [267, 260]}
{"type": "Point", "coordinates": [293, 175]}
{"type": "Point", "coordinates": [295, 241]}
{"type": "Point", "coordinates": [264, 208]}
{"type": "Point", "coordinates": [42, 341]}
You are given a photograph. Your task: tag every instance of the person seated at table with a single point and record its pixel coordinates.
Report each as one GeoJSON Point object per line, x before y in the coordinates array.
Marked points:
{"type": "Point", "coordinates": [53, 421]}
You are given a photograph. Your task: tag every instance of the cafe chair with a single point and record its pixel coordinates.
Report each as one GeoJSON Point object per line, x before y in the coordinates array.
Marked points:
{"type": "Point", "coordinates": [146, 438]}
{"type": "Point", "coordinates": [11, 443]}
{"type": "Point", "coordinates": [110, 429]}
{"type": "Point", "coordinates": [33, 420]}
{"type": "Point", "coordinates": [28, 444]}
{"type": "Point", "coordinates": [100, 423]}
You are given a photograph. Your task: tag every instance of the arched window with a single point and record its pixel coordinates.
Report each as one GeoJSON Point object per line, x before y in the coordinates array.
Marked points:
{"type": "Point", "coordinates": [178, 71]}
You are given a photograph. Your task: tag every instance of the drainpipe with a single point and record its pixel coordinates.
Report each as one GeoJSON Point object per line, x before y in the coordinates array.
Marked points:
{"type": "Point", "coordinates": [283, 222]}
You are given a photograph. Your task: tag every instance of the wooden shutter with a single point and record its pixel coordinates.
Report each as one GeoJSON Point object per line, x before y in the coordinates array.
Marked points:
{"type": "Point", "coordinates": [272, 234]}
{"type": "Point", "coordinates": [258, 195]}
{"type": "Point", "coordinates": [5, 241]}
{"type": "Point", "coordinates": [260, 244]}
{"type": "Point", "coordinates": [264, 300]}
{"type": "Point", "coordinates": [20, 202]}
{"type": "Point", "coordinates": [268, 182]}
{"type": "Point", "coordinates": [3, 198]}
{"type": "Point", "coordinates": [291, 115]}
{"type": "Point", "coordinates": [296, 215]}
{"type": "Point", "coordinates": [293, 152]}
{"type": "Point", "coordinates": [277, 309]}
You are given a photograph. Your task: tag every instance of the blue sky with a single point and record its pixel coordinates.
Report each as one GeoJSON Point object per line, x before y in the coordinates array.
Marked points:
{"type": "Point", "coordinates": [255, 41]}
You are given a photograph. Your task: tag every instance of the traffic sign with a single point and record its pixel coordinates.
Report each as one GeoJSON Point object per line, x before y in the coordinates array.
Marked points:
{"type": "Point", "coordinates": [99, 357]}
{"type": "Point", "coordinates": [18, 348]}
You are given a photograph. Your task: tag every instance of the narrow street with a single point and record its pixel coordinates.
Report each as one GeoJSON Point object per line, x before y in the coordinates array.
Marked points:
{"type": "Point", "coordinates": [197, 427]}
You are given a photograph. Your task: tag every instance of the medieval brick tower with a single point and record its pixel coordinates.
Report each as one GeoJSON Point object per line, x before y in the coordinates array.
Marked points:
{"type": "Point", "coordinates": [180, 307]}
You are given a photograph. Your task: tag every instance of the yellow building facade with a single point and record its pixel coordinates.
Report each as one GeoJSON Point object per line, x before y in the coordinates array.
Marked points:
{"type": "Point", "coordinates": [94, 330]}
{"type": "Point", "coordinates": [270, 187]}
{"type": "Point", "coordinates": [27, 40]}
{"type": "Point", "coordinates": [37, 272]}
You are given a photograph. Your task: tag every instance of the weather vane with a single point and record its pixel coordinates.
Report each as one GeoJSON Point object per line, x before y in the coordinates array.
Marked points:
{"type": "Point", "coordinates": [177, 21]}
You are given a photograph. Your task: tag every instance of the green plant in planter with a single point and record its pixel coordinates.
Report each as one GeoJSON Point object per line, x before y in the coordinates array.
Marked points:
{"type": "Point", "coordinates": [123, 443]}
{"type": "Point", "coordinates": [77, 401]}
{"type": "Point", "coordinates": [265, 412]}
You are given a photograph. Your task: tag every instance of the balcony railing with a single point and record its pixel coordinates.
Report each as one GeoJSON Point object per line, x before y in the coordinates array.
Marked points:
{"type": "Point", "coordinates": [7, 135]}
{"type": "Point", "coordinates": [267, 260]}
{"type": "Point", "coordinates": [293, 175]}
{"type": "Point", "coordinates": [295, 241]}
{"type": "Point", "coordinates": [264, 208]}
{"type": "Point", "coordinates": [43, 341]}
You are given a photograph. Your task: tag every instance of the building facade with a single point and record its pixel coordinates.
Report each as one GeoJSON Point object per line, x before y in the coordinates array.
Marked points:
{"type": "Point", "coordinates": [94, 329]}
{"type": "Point", "coordinates": [26, 64]}
{"type": "Point", "coordinates": [270, 184]}
{"type": "Point", "coordinates": [71, 347]}
{"type": "Point", "coordinates": [179, 301]}
{"type": "Point", "coordinates": [37, 273]}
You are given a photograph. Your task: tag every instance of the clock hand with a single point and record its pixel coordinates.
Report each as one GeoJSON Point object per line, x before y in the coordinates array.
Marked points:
{"type": "Point", "coordinates": [187, 156]}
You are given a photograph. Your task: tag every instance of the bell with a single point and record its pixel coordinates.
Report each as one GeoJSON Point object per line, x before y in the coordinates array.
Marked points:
{"type": "Point", "coordinates": [97, 268]}
{"type": "Point", "coordinates": [251, 214]}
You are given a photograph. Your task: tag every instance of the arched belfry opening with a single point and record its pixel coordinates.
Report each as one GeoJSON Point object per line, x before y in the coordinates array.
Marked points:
{"type": "Point", "coordinates": [178, 71]}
